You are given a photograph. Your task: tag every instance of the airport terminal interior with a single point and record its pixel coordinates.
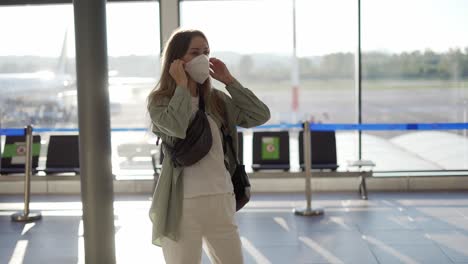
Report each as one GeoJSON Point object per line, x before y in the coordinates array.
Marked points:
{"type": "Point", "coordinates": [364, 157]}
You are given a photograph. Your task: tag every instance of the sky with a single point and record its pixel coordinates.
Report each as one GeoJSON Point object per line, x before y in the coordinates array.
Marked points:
{"type": "Point", "coordinates": [252, 26]}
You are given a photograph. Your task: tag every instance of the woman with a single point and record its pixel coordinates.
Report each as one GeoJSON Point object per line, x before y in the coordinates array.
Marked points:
{"type": "Point", "coordinates": [196, 204]}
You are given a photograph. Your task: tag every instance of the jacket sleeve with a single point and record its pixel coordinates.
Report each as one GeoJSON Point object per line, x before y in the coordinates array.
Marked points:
{"type": "Point", "coordinates": [248, 110]}
{"type": "Point", "coordinates": [172, 118]}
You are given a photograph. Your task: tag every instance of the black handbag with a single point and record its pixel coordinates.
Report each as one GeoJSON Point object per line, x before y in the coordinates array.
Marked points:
{"type": "Point", "coordinates": [240, 179]}
{"type": "Point", "coordinates": [196, 144]}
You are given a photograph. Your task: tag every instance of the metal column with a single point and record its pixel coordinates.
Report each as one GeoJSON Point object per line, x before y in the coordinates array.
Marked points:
{"type": "Point", "coordinates": [94, 130]}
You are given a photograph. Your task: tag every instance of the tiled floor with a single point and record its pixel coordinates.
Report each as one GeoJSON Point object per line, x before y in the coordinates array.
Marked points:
{"type": "Point", "coordinates": [388, 228]}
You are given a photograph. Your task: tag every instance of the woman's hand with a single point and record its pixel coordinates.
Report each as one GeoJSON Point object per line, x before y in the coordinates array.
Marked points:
{"type": "Point", "coordinates": [177, 72]}
{"type": "Point", "coordinates": [220, 72]}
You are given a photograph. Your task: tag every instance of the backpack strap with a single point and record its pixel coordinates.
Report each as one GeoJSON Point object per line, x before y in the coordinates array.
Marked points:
{"type": "Point", "coordinates": [228, 139]}
{"type": "Point", "coordinates": [201, 104]}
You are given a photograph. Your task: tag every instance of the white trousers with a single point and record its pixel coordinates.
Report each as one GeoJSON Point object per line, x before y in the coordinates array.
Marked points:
{"type": "Point", "coordinates": [208, 219]}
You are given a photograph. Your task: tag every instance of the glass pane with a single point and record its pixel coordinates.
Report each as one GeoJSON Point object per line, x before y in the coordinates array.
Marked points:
{"type": "Point", "coordinates": [255, 41]}
{"type": "Point", "coordinates": [38, 77]}
{"type": "Point", "coordinates": [37, 66]}
{"type": "Point", "coordinates": [415, 70]}
{"type": "Point", "coordinates": [134, 47]}
{"type": "Point", "coordinates": [133, 44]}
{"type": "Point", "coordinates": [326, 44]}
{"type": "Point", "coordinates": [256, 38]}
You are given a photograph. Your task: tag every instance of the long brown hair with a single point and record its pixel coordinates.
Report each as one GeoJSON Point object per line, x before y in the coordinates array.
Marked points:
{"type": "Point", "coordinates": [176, 47]}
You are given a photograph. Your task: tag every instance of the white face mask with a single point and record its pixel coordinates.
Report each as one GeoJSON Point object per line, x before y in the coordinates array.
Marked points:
{"type": "Point", "coordinates": [199, 68]}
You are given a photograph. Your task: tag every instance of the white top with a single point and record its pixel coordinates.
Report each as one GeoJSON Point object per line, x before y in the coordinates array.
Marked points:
{"type": "Point", "coordinates": [209, 175]}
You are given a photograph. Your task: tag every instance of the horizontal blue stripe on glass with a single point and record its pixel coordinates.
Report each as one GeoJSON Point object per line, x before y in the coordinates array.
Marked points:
{"type": "Point", "coordinates": [387, 127]}
{"type": "Point", "coordinates": [314, 127]}
{"type": "Point", "coordinates": [11, 132]}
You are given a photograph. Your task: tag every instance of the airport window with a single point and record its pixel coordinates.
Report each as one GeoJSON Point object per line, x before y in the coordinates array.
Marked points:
{"type": "Point", "coordinates": [37, 68]}
{"type": "Point", "coordinates": [133, 43]}
{"type": "Point", "coordinates": [414, 70]}
{"type": "Point", "coordinates": [326, 46]}
{"type": "Point", "coordinates": [40, 61]}
{"type": "Point", "coordinates": [133, 48]}
{"type": "Point", "coordinates": [255, 38]}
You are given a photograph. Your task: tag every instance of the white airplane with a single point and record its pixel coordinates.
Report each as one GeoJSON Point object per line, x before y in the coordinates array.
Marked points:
{"type": "Point", "coordinates": [49, 97]}
{"type": "Point", "coordinates": [37, 85]}
{"type": "Point", "coordinates": [31, 97]}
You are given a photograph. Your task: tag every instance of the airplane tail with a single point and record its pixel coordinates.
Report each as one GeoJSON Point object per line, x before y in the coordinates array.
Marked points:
{"type": "Point", "coordinates": [62, 65]}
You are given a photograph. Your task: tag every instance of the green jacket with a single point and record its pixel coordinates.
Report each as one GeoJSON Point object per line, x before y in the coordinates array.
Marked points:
{"type": "Point", "coordinates": [170, 119]}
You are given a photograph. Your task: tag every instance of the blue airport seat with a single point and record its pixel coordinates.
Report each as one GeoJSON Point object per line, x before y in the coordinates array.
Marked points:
{"type": "Point", "coordinates": [270, 151]}
{"type": "Point", "coordinates": [323, 150]}
{"type": "Point", "coordinates": [63, 154]}
{"type": "Point", "coordinates": [14, 154]}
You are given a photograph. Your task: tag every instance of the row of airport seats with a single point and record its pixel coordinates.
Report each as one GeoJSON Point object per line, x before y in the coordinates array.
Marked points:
{"type": "Point", "coordinates": [62, 155]}
{"type": "Point", "coordinates": [270, 151]}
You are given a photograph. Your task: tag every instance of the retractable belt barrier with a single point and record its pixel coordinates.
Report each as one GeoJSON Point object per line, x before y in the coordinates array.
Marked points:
{"type": "Point", "coordinates": [26, 215]}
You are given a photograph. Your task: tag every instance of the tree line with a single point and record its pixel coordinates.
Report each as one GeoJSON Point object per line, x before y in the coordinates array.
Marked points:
{"type": "Point", "coordinates": [375, 65]}
{"type": "Point", "coordinates": [428, 65]}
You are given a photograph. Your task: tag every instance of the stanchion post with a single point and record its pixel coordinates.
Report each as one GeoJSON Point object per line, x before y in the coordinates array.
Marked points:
{"type": "Point", "coordinates": [26, 215]}
{"type": "Point", "coordinates": [308, 211]}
